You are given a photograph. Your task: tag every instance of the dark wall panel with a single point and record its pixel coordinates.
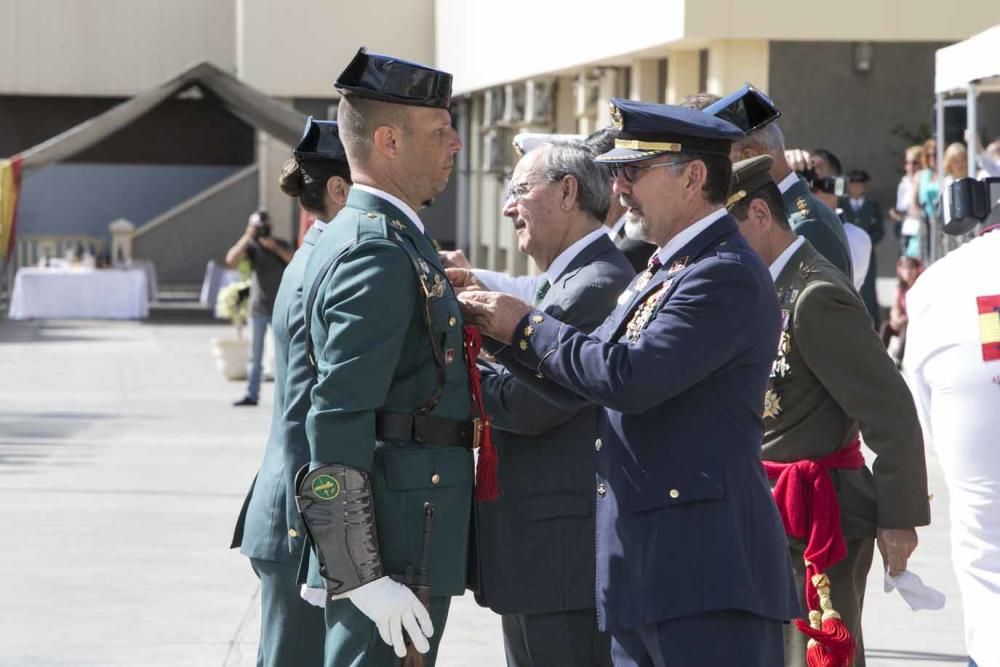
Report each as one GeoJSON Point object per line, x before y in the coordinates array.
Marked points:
{"type": "Point", "coordinates": [179, 131]}
{"type": "Point", "coordinates": [866, 118]}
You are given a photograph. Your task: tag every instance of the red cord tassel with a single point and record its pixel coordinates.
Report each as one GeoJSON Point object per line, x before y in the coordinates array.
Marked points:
{"type": "Point", "coordinates": [830, 642]}
{"type": "Point", "coordinates": [487, 481]}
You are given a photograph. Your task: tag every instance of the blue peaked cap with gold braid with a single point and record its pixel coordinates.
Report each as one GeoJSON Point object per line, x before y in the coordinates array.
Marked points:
{"type": "Point", "coordinates": [646, 130]}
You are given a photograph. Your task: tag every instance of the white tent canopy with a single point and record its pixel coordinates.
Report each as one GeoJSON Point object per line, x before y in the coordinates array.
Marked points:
{"type": "Point", "coordinates": [976, 60]}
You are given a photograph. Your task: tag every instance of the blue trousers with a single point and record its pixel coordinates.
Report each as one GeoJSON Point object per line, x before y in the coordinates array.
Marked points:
{"type": "Point", "coordinates": [713, 639]}
{"type": "Point", "coordinates": [291, 629]}
{"type": "Point", "coordinates": [555, 640]}
{"type": "Point", "coordinates": [352, 640]}
{"type": "Point", "coordinates": [258, 330]}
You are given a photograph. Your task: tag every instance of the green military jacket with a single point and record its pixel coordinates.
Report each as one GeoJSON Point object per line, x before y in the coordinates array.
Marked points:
{"type": "Point", "coordinates": [820, 225]}
{"type": "Point", "coordinates": [832, 377]}
{"type": "Point", "coordinates": [269, 527]}
{"type": "Point", "coordinates": [374, 352]}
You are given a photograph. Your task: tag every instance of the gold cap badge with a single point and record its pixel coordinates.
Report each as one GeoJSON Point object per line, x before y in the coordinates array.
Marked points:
{"type": "Point", "coordinates": [616, 116]}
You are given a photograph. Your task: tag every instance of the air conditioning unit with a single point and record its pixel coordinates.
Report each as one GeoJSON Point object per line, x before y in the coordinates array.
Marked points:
{"type": "Point", "coordinates": [497, 150]}
{"type": "Point", "coordinates": [493, 107]}
{"type": "Point", "coordinates": [513, 107]}
{"type": "Point", "coordinates": [539, 105]}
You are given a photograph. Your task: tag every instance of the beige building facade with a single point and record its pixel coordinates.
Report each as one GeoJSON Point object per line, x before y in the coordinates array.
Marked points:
{"type": "Point", "coordinates": [857, 80]}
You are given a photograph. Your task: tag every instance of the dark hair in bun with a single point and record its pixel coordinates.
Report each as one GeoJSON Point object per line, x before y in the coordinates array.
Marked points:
{"type": "Point", "coordinates": [306, 179]}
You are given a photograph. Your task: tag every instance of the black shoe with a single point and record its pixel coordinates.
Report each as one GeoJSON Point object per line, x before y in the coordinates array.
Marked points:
{"type": "Point", "coordinates": [246, 400]}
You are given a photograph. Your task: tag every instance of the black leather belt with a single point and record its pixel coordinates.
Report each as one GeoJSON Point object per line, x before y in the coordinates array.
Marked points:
{"type": "Point", "coordinates": [427, 429]}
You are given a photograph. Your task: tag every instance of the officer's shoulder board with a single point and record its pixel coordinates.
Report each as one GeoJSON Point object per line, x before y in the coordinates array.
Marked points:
{"type": "Point", "coordinates": [372, 226]}
{"type": "Point", "coordinates": [727, 252]}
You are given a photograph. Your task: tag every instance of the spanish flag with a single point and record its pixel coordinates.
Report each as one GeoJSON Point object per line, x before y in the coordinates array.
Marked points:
{"type": "Point", "coordinates": [10, 186]}
{"type": "Point", "coordinates": [989, 326]}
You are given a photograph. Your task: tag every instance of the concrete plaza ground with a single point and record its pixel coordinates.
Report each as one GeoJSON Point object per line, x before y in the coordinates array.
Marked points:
{"type": "Point", "coordinates": [122, 469]}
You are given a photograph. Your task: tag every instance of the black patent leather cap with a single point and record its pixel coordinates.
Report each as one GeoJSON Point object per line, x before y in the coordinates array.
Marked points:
{"type": "Point", "coordinates": [320, 141]}
{"type": "Point", "coordinates": [747, 108]}
{"type": "Point", "coordinates": [390, 79]}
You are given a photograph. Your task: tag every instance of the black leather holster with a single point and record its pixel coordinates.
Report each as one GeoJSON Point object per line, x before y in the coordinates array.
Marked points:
{"type": "Point", "coordinates": [335, 502]}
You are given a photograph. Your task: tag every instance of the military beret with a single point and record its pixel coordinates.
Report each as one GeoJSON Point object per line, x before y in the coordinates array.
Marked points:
{"type": "Point", "coordinates": [749, 176]}
{"type": "Point", "coordinates": [390, 79]}
{"type": "Point", "coordinates": [320, 141]}
{"type": "Point", "coordinates": [747, 108]}
{"type": "Point", "coordinates": [647, 130]}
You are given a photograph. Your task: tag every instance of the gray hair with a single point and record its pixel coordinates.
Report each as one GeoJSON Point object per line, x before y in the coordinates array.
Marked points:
{"type": "Point", "coordinates": [574, 158]}
{"type": "Point", "coordinates": [768, 139]}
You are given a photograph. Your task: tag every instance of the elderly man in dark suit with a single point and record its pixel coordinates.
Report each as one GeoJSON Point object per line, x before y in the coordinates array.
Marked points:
{"type": "Point", "coordinates": [832, 382]}
{"type": "Point", "coordinates": [692, 560]}
{"type": "Point", "coordinates": [536, 543]}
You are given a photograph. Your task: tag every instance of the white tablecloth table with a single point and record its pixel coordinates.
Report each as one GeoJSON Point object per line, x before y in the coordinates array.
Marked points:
{"type": "Point", "coordinates": [79, 293]}
{"type": "Point", "coordinates": [217, 276]}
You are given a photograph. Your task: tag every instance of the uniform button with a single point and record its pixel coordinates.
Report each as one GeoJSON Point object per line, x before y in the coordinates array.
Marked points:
{"type": "Point", "coordinates": [292, 532]}
{"type": "Point", "coordinates": [601, 489]}
{"type": "Point", "coordinates": [674, 493]}
{"type": "Point", "coordinates": [435, 478]}
{"type": "Point", "coordinates": [452, 321]}
{"type": "Point", "coordinates": [598, 444]}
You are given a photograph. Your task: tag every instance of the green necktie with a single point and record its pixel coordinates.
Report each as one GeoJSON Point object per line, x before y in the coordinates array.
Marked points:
{"type": "Point", "coordinates": [543, 289]}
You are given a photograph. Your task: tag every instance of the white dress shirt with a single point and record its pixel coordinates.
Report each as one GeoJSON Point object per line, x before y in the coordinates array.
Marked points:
{"type": "Point", "coordinates": [860, 245]}
{"type": "Point", "coordinates": [687, 235]}
{"type": "Point", "coordinates": [778, 265]}
{"type": "Point", "coordinates": [787, 182]}
{"type": "Point", "coordinates": [525, 287]}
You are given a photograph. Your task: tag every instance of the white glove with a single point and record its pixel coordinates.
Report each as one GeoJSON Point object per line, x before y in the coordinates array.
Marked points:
{"type": "Point", "coordinates": [916, 593]}
{"type": "Point", "coordinates": [314, 596]}
{"type": "Point", "coordinates": [393, 607]}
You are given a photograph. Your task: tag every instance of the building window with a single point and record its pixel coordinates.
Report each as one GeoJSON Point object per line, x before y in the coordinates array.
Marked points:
{"type": "Point", "coordinates": [702, 70]}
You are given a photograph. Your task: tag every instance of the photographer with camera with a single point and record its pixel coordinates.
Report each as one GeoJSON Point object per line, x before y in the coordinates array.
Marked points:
{"type": "Point", "coordinates": [268, 257]}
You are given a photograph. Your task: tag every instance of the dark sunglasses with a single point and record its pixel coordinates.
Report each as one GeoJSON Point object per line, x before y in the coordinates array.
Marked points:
{"type": "Point", "coordinates": [631, 172]}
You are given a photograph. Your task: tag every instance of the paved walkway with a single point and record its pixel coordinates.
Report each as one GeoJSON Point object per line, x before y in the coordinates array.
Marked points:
{"type": "Point", "coordinates": [122, 468]}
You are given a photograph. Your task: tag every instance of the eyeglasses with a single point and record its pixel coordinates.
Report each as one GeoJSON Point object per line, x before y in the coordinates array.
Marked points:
{"type": "Point", "coordinates": [517, 190]}
{"type": "Point", "coordinates": [631, 172]}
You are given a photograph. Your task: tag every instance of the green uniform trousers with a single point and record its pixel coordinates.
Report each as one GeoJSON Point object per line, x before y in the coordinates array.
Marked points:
{"type": "Point", "coordinates": [291, 629]}
{"type": "Point", "coordinates": [847, 592]}
{"type": "Point", "coordinates": [352, 640]}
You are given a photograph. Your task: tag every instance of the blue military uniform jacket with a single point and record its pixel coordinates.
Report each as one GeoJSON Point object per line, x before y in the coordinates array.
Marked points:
{"type": "Point", "coordinates": [536, 542]}
{"type": "Point", "coordinates": [685, 519]}
{"type": "Point", "coordinates": [269, 527]}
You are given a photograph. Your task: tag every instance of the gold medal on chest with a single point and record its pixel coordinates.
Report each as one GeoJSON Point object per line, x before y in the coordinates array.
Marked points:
{"type": "Point", "coordinates": [772, 404]}
{"type": "Point", "coordinates": [642, 314]}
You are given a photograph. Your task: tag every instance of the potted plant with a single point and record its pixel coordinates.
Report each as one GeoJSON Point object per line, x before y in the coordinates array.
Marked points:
{"type": "Point", "coordinates": [232, 354]}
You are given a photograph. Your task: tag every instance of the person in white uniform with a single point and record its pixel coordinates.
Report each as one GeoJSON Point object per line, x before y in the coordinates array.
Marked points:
{"type": "Point", "coordinates": [952, 364]}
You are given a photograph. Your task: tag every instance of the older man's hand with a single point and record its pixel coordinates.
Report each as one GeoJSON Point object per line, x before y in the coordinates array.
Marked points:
{"type": "Point", "coordinates": [896, 546]}
{"type": "Point", "coordinates": [496, 314]}
{"type": "Point", "coordinates": [463, 279]}
{"type": "Point", "coordinates": [454, 259]}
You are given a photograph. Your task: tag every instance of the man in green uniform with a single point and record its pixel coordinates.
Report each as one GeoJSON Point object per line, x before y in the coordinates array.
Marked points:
{"type": "Point", "coordinates": [269, 530]}
{"type": "Point", "coordinates": [387, 497]}
{"type": "Point", "coordinates": [832, 379]}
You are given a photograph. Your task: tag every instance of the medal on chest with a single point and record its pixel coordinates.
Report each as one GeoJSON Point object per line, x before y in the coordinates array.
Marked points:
{"type": "Point", "coordinates": [642, 314]}
{"type": "Point", "coordinates": [772, 404]}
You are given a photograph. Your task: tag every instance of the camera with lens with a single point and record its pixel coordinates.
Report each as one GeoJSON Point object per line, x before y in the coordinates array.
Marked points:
{"type": "Point", "coordinates": [972, 202]}
{"type": "Point", "coordinates": [262, 230]}
{"type": "Point", "coordinates": [833, 185]}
